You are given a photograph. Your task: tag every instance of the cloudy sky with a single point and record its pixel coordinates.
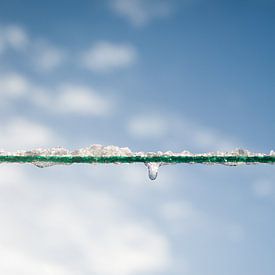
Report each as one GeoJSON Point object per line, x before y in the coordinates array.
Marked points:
{"type": "Point", "coordinates": [152, 75]}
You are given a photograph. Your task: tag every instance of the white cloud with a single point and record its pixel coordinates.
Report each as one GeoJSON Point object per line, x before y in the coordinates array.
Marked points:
{"type": "Point", "coordinates": [182, 131]}
{"type": "Point", "coordinates": [169, 128]}
{"type": "Point", "coordinates": [46, 56]}
{"type": "Point", "coordinates": [66, 98]}
{"type": "Point", "coordinates": [151, 126]}
{"type": "Point", "coordinates": [14, 37]}
{"type": "Point", "coordinates": [15, 261]}
{"type": "Point", "coordinates": [59, 228]}
{"type": "Point", "coordinates": [177, 211]}
{"type": "Point", "coordinates": [2, 45]}
{"type": "Point", "coordinates": [182, 217]}
{"type": "Point", "coordinates": [81, 100]}
{"type": "Point", "coordinates": [19, 133]}
{"type": "Point", "coordinates": [141, 12]}
{"type": "Point", "coordinates": [74, 100]}
{"type": "Point", "coordinates": [205, 137]}
{"type": "Point", "coordinates": [11, 177]}
{"type": "Point", "coordinates": [13, 85]}
{"type": "Point", "coordinates": [105, 57]}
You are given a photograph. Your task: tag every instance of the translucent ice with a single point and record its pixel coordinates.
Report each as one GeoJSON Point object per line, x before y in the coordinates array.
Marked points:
{"type": "Point", "coordinates": [153, 168]}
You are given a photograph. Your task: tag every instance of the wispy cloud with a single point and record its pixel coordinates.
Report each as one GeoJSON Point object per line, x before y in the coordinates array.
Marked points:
{"type": "Point", "coordinates": [64, 227]}
{"type": "Point", "coordinates": [153, 126]}
{"type": "Point", "coordinates": [177, 211]}
{"type": "Point", "coordinates": [13, 37]}
{"type": "Point", "coordinates": [141, 12]}
{"type": "Point", "coordinates": [41, 53]}
{"type": "Point", "coordinates": [106, 57]}
{"type": "Point", "coordinates": [178, 130]}
{"type": "Point", "coordinates": [27, 263]}
{"type": "Point", "coordinates": [64, 98]}
{"type": "Point", "coordinates": [76, 100]}
{"type": "Point", "coordinates": [13, 85]}
{"type": "Point", "coordinates": [182, 217]}
{"type": "Point", "coordinates": [46, 56]}
{"type": "Point", "coordinates": [22, 133]}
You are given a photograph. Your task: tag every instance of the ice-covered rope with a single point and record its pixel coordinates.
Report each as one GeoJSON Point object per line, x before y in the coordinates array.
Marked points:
{"type": "Point", "coordinates": [113, 154]}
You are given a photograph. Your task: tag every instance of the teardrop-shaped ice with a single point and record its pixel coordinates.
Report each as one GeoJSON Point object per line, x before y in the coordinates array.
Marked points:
{"type": "Point", "coordinates": [153, 168]}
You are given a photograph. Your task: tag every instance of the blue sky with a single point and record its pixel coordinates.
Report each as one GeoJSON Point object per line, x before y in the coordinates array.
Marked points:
{"type": "Point", "coordinates": [151, 75]}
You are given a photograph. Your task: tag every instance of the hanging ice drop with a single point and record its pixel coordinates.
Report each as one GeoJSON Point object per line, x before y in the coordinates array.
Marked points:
{"type": "Point", "coordinates": [153, 168]}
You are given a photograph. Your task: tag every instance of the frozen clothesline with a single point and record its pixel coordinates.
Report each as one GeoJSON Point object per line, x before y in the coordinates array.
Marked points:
{"type": "Point", "coordinates": [112, 154]}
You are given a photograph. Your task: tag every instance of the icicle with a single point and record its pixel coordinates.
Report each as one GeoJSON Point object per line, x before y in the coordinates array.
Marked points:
{"type": "Point", "coordinates": [152, 169]}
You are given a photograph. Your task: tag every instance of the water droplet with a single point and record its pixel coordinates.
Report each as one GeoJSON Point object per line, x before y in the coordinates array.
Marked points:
{"type": "Point", "coordinates": [152, 169]}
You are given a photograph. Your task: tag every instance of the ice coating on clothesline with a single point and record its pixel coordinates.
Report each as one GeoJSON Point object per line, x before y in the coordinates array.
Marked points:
{"type": "Point", "coordinates": [97, 153]}
{"type": "Point", "coordinates": [111, 150]}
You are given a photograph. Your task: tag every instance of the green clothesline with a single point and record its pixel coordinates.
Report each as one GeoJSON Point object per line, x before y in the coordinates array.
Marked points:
{"type": "Point", "coordinates": [268, 159]}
